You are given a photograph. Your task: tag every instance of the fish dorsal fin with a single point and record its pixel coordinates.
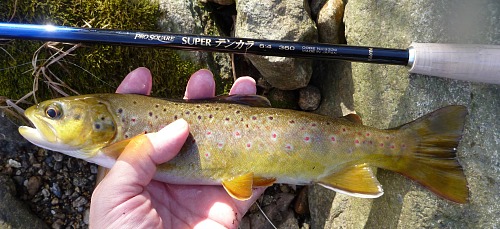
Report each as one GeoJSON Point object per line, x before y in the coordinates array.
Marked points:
{"type": "Point", "coordinates": [239, 187]}
{"type": "Point", "coordinates": [263, 181]}
{"type": "Point", "coordinates": [114, 150]}
{"type": "Point", "coordinates": [249, 100]}
{"type": "Point", "coordinates": [357, 181]}
{"type": "Point", "coordinates": [353, 118]}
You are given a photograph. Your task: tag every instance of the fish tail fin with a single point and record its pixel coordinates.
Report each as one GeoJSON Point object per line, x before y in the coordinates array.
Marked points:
{"type": "Point", "coordinates": [432, 161]}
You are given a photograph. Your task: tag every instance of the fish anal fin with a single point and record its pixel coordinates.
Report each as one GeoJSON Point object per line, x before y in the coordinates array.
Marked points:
{"type": "Point", "coordinates": [353, 118]}
{"type": "Point", "coordinates": [263, 181]}
{"type": "Point", "coordinates": [114, 150]}
{"type": "Point", "coordinates": [357, 181]}
{"type": "Point", "coordinates": [239, 187]}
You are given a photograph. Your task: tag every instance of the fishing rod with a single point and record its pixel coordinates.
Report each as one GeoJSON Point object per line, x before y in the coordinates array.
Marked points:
{"type": "Point", "coordinates": [479, 63]}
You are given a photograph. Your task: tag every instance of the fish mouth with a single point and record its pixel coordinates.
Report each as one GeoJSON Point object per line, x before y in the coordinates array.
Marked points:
{"type": "Point", "coordinates": [42, 135]}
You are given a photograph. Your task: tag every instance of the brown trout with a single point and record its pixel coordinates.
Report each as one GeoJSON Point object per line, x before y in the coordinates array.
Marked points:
{"type": "Point", "coordinates": [240, 146]}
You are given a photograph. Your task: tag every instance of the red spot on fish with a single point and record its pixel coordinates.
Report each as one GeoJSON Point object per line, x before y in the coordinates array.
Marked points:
{"type": "Point", "coordinates": [403, 146]}
{"type": "Point", "coordinates": [254, 118]}
{"type": "Point", "coordinates": [270, 117]}
{"type": "Point", "coordinates": [220, 145]}
{"type": "Point", "coordinates": [387, 137]}
{"type": "Point", "coordinates": [343, 130]}
{"type": "Point", "coordinates": [307, 139]}
{"type": "Point", "coordinates": [237, 134]}
{"type": "Point", "coordinates": [367, 134]}
{"type": "Point", "coordinates": [288, 147]}
{"type": "Point", "coordinates": [332, 139]}
{"type": "Point", "coordinates": [356, 141]}
{"type": "Point", "coordinates": [249, 145]}
{"type": "Point", "coordinates": [359, 133]}
{"type": "Point", "coordinates": [209, 133]}
{"type": "Point", "coordinates": [370, 142]}
{"type": "Point", "coordinates": [133, 119]}
{"type": "Point", "coordinates": [392, 146]}
{"type": "Point", "coordinates": [313, 125]}
{"type": "Point", "coordinates": [207, 155]}
{"type": "Point", "coordinates": [381, 144]}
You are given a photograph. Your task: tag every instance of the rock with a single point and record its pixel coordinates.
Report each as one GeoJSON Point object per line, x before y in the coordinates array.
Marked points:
{"type": "Point", "coordinates": [220, 2]}
{"type": "Point", "coordinates": [283, 99]}
{"type": "Point", "coordinates": [329, 21]}
{"type": "Point", "coordinates": [191, 17]}
{"type": "Point", "coordinates": [278, 20]}
{"type": "Point", "coordinates": [283, 201]}
{"type": "Point", "coordinates": [387, 96]}
{"type": "Point", "coordinates": [289, 221]}
{"type": "Point", "coordinates": [309, 98]}
{"type": "Point", "coordinates": [14, 213]}
{"type": "Point", "coordinates": [14, 163]}
{"type": "Point", "coordinates": [301, 206]}
{"type": "Point", "coordinates": [33, 185]}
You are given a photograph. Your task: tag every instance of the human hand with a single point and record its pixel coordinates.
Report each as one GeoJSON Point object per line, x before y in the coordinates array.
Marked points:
{"type": "Point", "coordinates": [128, 197]}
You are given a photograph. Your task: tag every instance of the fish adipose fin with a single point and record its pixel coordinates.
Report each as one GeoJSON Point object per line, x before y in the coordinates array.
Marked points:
{"type": "Point", "coordinates": [239, 187]}
{"type": "Point", "coordinates": [432, 162]}
{"type": "Point", "coordinates": [357, 181]}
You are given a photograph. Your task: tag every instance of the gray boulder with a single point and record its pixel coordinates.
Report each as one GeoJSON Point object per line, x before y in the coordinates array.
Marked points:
{"type": "Point", "coordinates": [278, 20]}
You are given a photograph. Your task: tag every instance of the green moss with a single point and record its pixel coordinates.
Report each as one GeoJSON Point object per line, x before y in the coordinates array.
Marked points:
{"type": "Point", "coordinates": [95, 68]}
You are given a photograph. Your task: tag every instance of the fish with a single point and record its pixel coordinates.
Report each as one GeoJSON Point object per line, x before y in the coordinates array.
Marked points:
{"type": "Point", "coordinates": [240, 142]}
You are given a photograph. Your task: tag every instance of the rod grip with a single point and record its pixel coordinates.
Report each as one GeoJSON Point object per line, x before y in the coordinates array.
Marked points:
{"type": "Point", "coordinates": [479, 63]}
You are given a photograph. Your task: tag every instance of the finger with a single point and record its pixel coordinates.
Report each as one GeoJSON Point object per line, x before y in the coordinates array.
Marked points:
{"type": "Point", "coordinates": [244, 86]}
{"type": "Point", "coordinates": [201, 85]}
{"type": "Point", "coordinates": [136, 166]}
{"type": "Point", "coordinates": [138, 81]}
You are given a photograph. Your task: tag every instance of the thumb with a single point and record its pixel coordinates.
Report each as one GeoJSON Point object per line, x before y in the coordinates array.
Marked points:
{"type": "Point", "coordinates": [137, 163]}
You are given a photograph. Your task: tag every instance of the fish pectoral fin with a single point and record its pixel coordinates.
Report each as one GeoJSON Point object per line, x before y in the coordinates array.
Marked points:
{"type": "Point", "coordinates": [357, 181]}
{"type": "Point", "coordinates": [114, 150]}
{"type": "Point", "coordinates": [263, 181]}
{"type": "Point", "coordinates": [239, 187]}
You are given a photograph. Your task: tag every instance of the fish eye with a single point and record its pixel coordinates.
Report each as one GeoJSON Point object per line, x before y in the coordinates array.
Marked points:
{"type": "Point", "coordinates": [53, 111]}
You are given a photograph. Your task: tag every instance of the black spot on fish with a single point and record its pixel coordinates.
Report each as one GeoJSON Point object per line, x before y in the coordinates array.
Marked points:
{"type": "Point", "coordinates": [126, 136]}
{"type": "Point", "coordinates": [254, 118]}
{"type": "Point", "coordinates": [97, 126]}
{"type": "Point", "coordinates": [156, 106]}
{"type": "Point", "coordinates": [210, 116]}
{"type": "Point", "coordinates": [197, 106]}
{"type": "Point", "coordinates": [217, 108]}
{"type": "Point", "coordinates": [77, 117]}
{"type": "Point", "coordinates": [164, 109]}
{"type": "Point", "coordinates": [199, 117]}
{"type": "Point", "coordinates": [175, 117]}
{"type": "Point", "coordinates": [145, 132]}
{"type": "Point", "coordinates": [187, 112]}
{"type": "Point", "coordinates": [156, 116]}
{"type": "Point", "coordinates": [123, 119]}
{"type": "Point", "coordinates": [227, 119]}
{"type": "Point", "coordinates": [150, 114]}
{"type": "Point", "coordinates": [206, 105]}
{"type": "Point", "coordinates": [270, 117]}
{"type": "Point", "coordinates": [135, 102]}
{"type": "Point", "coordinates": [103, 118]}
{"type": "Point", "coordinates": [230, 107]}
{"type": "Point", "coordinates": [120, 110]}
{"type": "Point", "coordinates": [237, 112]}
{"type": "Point", "coordinates": [291, 121]}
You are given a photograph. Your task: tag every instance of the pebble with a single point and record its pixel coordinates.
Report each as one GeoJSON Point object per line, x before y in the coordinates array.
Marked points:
{"type": "Point", "coordinates": [79, 202]}
{"type": "Point", "coordinates": [283, 201]}
{"type": "Point", "coordinates": [14, 163]}
{"type": "Point", "coordinates": [57, 157]}
{"type": "Point", "coordinates": [309, 98]}
{"type": "Point", "coordinates": [55, 190]}
{"type": "Point", "coordinates": [86, 216]}
{"type": "Point", "coordinates": [301, 204]}
{"type": "Point", "coordinates": [33, 185]}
